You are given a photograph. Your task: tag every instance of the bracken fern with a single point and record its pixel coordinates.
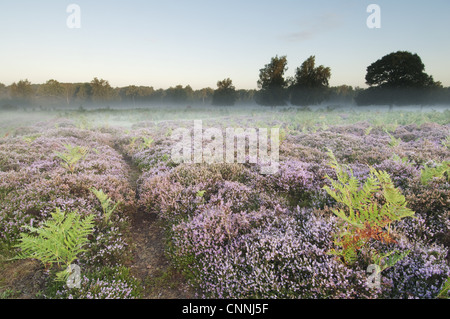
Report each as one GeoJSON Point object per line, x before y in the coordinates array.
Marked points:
{"type": "Point", "coordinates": [59, 241]}
{"type": "Point", "coordinates": [440, 171]}
{"type": "Point", "coordinates": [445, 291]}
{"type": "Point", "coordinates": [107, 206]}
{"type": "Point", "coordinates": [72, 155]}
{"type": "Point", "coordinates": [364, 217]}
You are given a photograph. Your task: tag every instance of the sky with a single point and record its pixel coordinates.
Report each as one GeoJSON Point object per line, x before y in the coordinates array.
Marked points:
{"type": "Point", "coordinates": [197, 43]}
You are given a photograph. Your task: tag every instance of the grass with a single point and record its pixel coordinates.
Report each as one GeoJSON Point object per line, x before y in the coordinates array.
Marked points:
{"type": "Point", "coordinates": [291, 118]}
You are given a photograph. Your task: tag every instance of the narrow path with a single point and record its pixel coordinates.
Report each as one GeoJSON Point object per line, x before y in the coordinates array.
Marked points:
{"type": "Point", "coordinates": [150, 264]}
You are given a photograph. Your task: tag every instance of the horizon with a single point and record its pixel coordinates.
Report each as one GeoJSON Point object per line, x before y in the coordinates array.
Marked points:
{"type": "Point", "coordinates": [163, 45]}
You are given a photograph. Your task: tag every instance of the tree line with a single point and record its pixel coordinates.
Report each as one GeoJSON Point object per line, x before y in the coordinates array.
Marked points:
{"type": "Point", "coordinates": [100, 92]}
{"type": "Point", "coordinates": [398, 78]}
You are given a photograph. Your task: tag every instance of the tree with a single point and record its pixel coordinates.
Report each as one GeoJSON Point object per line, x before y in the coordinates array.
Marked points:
{"type": "Point", "coordinates": [83, 91]}
{"type": "Point", "coordinates": [3, 91]}
{"type": "Point", "coordinates": [310, 84]}
{"type": "Point", "coordinates": [397, 78]}
{"type": "Point", "coordinates": [133, 92]}
{"type": "Point", "coordinates": [56, 91]}
{"type": "Point", "coordinates": [159, 95]}
{"type": "Point", "coordinates": [178, 94]}
{"type": "Point", "coordinates": [146, 92]}
{"type": "Point", "coordinates": [189, 92]}
{"type": "Point", "coordinates": [342, 94]}
{"type": "Point", "coordinates": [68, 91]}
{"type": "Point", "coordinates": [52, 89]}
{"type": "Point", "coordinates": [101, 90]}
{"type": "Point", "coordinates": [245, 96]}
{"type": "Point", "coordinates": [398, 70]}
{"type": "Point", "coordinates": [22, 90]}
{"type": "Point", "coordinates": [203, 95]}
{"type": "Point", "coordinates": [225, 93]}
{"type": "Point", "coordinates": [272, 83]}
{"type": "Point", "coordinates": [137, 93]}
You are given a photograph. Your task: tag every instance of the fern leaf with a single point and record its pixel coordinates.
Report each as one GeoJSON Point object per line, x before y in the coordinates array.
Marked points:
{"type": "Point", "coordinates": [59, 241]}
{"type": "Point", "coordinates": [364, 216]}
{"type": "Point", "coordinates": [445, 290]}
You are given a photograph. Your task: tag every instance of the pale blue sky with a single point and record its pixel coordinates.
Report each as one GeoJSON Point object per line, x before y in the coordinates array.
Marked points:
{"type": "Point", "coordinates": [165, 43]}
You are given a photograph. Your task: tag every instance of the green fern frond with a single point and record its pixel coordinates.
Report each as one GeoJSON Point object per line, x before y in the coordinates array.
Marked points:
{"type": "Point", "coordinates": [71, 156]}
{"type": "Point", "coordinates": [107, 205]}
{"type": "Point", "coordinates": [59, 241]}
{"type": "Point", "coordinates": [445, 291]}
{"type": "Point", "coordinates": [394, 141]}
{"type": "Point", "coordinates": [389, 259]}
{"type": "Point", "coordinates": [446, 142]}
{"type": "Point", "coordinates": [440, 171]}
{"type": "Point", "coordinates": [368, 130]}
{"type": "Point", "coordinates": [363, 217]}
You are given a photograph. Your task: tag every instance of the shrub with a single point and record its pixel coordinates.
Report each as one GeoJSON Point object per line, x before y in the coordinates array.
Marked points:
{"type": "Point", "coordinates": [106, 283]}
{"type": "Point", "coordinates": [421, 274]}
{"type": "Point", "coordinates": [269, 254]}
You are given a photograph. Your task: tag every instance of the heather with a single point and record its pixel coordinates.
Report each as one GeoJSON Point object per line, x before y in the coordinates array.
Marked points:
{"type": "Point", "coordinates": [238, 234]}
{"type": "Point", "coordinates": [106, 283]}
{"type": "Point", "coordinates": [229, 230]}
{"type": "Point", "coordinates": [38, 176]}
